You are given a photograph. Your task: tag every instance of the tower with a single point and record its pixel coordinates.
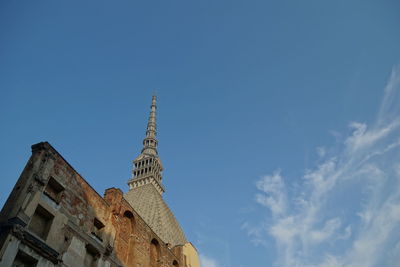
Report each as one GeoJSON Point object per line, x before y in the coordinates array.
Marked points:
{"type": "Point", "coordinates": [147, 167]}
{"type": "Point", "coordinates": [54, 217]}
{"type": "Point", "coordinates": [146, 188]}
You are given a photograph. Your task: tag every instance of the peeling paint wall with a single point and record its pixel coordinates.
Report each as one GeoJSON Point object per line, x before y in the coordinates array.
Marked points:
{"type": "Point", "coordinates": [76, 226]}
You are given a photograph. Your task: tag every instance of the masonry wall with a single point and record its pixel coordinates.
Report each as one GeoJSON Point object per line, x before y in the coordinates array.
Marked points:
{"type": "Point", "coordinates": [53, 217]}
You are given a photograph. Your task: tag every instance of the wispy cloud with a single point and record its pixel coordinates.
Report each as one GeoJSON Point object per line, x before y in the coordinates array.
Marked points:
{"type": "Point", "coordinates": [321, 151]}
{"type": "Point", "coordinates": [347, 210]}
{"type": "Point", "coordinates": [207, 262]}
{"type": "Point", "coordinates": [273, 195]}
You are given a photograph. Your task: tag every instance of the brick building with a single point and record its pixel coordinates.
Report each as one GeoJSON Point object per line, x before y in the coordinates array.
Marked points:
{"type": "Point", "coordinates": [53, 217]}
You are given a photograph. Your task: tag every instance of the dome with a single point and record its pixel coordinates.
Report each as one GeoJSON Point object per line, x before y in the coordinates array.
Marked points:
{"type": "Point", "coordinates": [150, 205]}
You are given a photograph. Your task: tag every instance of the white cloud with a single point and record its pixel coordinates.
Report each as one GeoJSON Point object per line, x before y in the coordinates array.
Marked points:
{"type": "Point", "coordinates": [207, 262]}
{"type": "Point", "coordinates": [321, 151]}
{"type": "Point", "coordinates": [346, 212]}
{"type": "Point", "coordinates": [330, 261]}
{"type": "Point", "coordinates": [284, 230]}
{"type": "Point", "coordinates": [273, 195]}
{"type": "Point", "coordinates": [346, 234]}
{"type": "Point", "coordinates": [389, 107]}
{"type": "Point", "coordinates": [330, 227]}
{"type": "Point", "coordinates": [362, 138]}
{"type": "Point", "coordinates": [256, 233]}
{"type": "Point", "coordinates": [323, 178]}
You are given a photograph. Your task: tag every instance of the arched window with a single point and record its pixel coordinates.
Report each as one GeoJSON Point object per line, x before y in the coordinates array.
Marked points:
{"type": "Point", "coordinates": [127, 225]}
{"type": "Point", "coordinates": [154, 252]}
{"type": "Point", "coordinates": [126, 237]}
{"type": "Point", "coordinates": [175, 263]}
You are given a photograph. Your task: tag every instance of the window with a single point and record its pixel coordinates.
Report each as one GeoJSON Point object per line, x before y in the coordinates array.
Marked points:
{"type": "Point", "coordinates": [154, 253]}
{"type": "Point", "coordinates": [98, 229]}
{"type": "Point", "coordinates": [54, 190]}
{"type": "Point", "coordinates": [41, 222]}
{"type": "Point", "coordinates": [91, 256]}
{"type": "Point", "coordinates": [127, 226]}
{"type": "Point", "coordinates": [24, 260]}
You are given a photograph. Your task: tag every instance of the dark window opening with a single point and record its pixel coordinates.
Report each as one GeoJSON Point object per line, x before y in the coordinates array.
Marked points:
{"type": "Point", "coordinates": [98, 229]}
{"type": "Point", "coordinates": [127, 226]}
{"type": "Point", "coordinates": [154, 253]}
{"type": "Point", "coordinates": [24, 260]}
{"type": "Point", "coordinates": [54, 190]}
{"type": "Point", "coordinates": [91, 256]}
{"type": "Point", "coordinates": [41, 222]}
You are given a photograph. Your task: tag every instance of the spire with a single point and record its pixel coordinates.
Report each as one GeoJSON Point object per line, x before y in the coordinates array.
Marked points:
{"type": "Point", "coordinates": [150, 141]}
{"type": "Point", "coordinates": [147, 167]}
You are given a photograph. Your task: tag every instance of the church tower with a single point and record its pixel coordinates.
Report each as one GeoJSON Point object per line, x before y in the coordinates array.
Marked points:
{"type": "Point", "coordinates": [147, 167]}
{"type": "Point", "coordinates": [146, 188]}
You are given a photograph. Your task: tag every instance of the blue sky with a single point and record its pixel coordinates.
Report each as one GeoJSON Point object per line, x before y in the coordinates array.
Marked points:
{"type": "Point", "coordinates": [278, 120]}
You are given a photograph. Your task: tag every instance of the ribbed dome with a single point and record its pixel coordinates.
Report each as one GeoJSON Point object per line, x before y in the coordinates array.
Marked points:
{"type": "Point", "coordinates": [150, 205]}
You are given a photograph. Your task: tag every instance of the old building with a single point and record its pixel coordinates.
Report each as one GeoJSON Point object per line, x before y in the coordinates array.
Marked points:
{"type": "Point", "coordinates": [53, 217]}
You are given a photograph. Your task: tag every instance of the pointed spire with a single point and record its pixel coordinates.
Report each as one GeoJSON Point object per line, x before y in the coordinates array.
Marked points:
{"type": "Point", "coordinates": [150, 141]}
{"type": "Point", "coordinates": [147, 167]}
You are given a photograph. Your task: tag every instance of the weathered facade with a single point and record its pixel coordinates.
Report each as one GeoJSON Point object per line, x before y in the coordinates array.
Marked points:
{"type": "Point", "coordinates": [53, 217]}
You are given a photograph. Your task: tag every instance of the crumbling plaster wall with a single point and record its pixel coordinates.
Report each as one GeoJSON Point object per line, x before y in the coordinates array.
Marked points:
{"type": "Point", "coordinates": [123, 239]}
